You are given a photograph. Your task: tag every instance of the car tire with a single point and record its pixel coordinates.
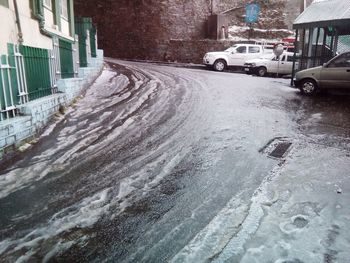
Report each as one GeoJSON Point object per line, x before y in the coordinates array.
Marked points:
{"type": "Point", "coordinates": [219, 65]}
{"type": "Point", "coordinates": [261, 72]}
{"type": "Point", "coordinates": [308, 87]}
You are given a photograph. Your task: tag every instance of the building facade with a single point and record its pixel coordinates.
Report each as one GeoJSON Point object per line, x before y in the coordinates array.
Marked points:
{"type": "Point", "coordinates": [43, 62]}
{"type": "Point", "coordinates": [34, 23]}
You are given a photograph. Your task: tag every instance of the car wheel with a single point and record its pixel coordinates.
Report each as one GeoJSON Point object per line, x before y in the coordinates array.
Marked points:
{"type": "Point", "coordinates": [261, 71]}
{"type": "Point", "coordinates": [308, 87]}
{"type": "Point", "coordinates": [220, 65]}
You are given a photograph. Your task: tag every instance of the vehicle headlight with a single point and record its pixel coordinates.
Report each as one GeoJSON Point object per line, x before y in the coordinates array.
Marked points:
{"type": "Point", "coordinates": [250, 64]}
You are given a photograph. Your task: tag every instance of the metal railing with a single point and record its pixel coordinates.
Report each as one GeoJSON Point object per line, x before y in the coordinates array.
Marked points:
{"type": "Point", "coordinates": [18, 74]}
{"type": "Point", "coordinates": [29, 73]}
{"type": "Point", "coordinates": [7, 100]}
{"type": "Point", "coordinates": [21, 76]}
{"type": "Point", "coordinates": [66, 57]}
{"type": "Point", "coordinates": [55, 64]}
{"type": "Point", "coordinates": [37, 67]}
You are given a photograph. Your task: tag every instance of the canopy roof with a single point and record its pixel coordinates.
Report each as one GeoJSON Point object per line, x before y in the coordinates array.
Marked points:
{"type": "Point", "coordinates": [322, 13]}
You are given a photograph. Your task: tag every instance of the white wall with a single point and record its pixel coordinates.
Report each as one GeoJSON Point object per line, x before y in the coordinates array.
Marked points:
{"type": "Point", "coordinates": [65, 27]}
{"type": "Point", "coordinates": [8, 31]}
{"type": "Point", "coordinates": [48, 18]}
{"type": "Point", "coordinates": [52, 28]}
{"type": "Point", "coordinates": [30, 28]}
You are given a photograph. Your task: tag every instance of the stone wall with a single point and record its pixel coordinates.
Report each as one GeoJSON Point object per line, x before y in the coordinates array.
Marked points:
{"type": "Point", "coordinates": [135, 29]}
{"type": "Point", "coordinates": [162, 29]}
{"type": "Point", "coordinates": [192, 51]}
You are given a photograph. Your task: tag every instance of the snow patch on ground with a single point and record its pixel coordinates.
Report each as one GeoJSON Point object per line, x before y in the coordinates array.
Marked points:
{"type": "Point", "coordinates": [81, 215]}
{"type": "Point", "coordinates": [308, 218]}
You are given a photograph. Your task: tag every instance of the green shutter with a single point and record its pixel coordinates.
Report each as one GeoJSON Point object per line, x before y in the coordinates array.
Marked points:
{"type": "Point", "coordinates": [66, 57]}
{"type": "Point", "coordinates": [37, 66]}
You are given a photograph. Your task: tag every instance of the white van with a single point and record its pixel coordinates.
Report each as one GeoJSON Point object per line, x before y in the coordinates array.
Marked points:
{"type": "Point", "coordinates": [234, 56]}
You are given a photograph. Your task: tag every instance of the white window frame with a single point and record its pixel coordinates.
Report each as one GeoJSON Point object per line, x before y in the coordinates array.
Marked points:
{"type": "Point", "coordinates": [64, 9]}
{"type": "Point", "coordinates": [48, 4]}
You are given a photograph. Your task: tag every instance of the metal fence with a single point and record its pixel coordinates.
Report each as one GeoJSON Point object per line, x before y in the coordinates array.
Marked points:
{"type": "Point", "coordinates": [55, 64]}
{"type": "Point", "coordinates": [13, 83]}
{"type": "Point", "coordinates": [66, 57]}
{"type": "Point", "coordinates": [318, 45]}
{"type": "Point", "coordinates": [37, 67]}
{"type": "Point", "coordinates": [16, 59]}
{"type": "Point", "coordinates": [7, 91]}
{"type": "Point", "coordinates": [343, 43]}
{"type": "Point", "coordinates": [28, 73]}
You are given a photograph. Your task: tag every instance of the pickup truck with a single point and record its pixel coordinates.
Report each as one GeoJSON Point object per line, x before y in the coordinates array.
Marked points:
{"type": "Point", "coordinates": [234, 56]}
{"type": "Point", "coordinates": [270, 64]}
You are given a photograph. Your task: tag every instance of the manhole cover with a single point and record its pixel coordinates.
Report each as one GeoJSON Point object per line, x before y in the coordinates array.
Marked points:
{"type": "Point", "coordinates": [277, 147]}
{"type": "Point", "coordinates": [280, 149]}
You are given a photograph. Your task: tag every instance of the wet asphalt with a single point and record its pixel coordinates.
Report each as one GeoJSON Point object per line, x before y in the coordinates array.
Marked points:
{"type": "Point", "coordinates": [176, 186]}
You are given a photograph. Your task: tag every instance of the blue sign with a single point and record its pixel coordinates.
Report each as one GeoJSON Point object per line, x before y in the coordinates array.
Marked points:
{"type": "Point", "coordinates": [252, 13]}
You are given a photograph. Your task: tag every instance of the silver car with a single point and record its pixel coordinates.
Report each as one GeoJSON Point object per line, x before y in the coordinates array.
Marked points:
{"type": "Point", "coordinates": [333, 74]}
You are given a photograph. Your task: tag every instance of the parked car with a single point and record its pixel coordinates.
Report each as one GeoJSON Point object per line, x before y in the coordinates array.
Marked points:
{"type": "Point", "coordinates": [270, 64]}
{"type": "Point", "coordinates": [234, 56]}
{"type": "Point", "coordinates": [333, 74]}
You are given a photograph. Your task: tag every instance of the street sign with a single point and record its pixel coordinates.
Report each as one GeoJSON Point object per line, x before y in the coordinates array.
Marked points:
{"type": "Point", "coordinates": [278, 50]}
{"type": "Point", "coordinates": [252, 13]}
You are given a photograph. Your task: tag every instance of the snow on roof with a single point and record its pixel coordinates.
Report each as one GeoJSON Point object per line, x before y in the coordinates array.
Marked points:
{"type": "Point", "coordinates": [324, 13]}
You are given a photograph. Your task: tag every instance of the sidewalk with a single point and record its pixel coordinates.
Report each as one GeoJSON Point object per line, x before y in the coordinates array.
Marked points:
{"type": "Point", "coordinates": [306, 209]}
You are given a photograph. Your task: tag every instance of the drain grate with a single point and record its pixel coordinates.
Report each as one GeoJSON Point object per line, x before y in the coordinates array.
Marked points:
{"type": "Point", "coordinates": [277, 147]}
{"type": "Point", "coordinates": [280, 149]}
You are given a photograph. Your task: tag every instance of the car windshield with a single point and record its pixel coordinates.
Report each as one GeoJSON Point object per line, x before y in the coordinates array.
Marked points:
{"type": "Point", "coordinates": [230, 49]}
{"type": "Point", "coordinates": [342, 60]}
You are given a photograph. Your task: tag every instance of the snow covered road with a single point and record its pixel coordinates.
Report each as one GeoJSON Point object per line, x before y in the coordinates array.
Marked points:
{"type": "Point", "coordinates": [164, 164]}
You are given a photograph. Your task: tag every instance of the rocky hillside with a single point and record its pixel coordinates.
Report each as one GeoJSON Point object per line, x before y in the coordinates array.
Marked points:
{"type": "Point", "coordinates": [275, 20]}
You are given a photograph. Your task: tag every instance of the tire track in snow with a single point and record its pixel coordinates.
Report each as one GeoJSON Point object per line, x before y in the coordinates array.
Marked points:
{"type": "Point", "coordinates": [93, 142]}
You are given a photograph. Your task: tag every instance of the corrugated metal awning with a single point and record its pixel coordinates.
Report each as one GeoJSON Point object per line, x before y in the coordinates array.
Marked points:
{"type": "Point", "coordinates": [324, 13]}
